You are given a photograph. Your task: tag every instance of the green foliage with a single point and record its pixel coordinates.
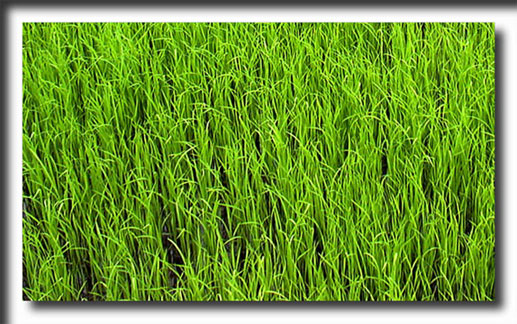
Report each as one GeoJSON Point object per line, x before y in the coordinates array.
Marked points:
{"type": "Point", "coordinates": [172, 161]}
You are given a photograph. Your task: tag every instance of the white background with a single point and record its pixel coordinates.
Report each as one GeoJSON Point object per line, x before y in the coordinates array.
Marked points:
{"type": "Point", "coordinates": [504, 311]}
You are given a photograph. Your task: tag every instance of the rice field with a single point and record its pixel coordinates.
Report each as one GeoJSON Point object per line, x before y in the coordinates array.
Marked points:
{"type": "Point", "coordinates": [258, 161]}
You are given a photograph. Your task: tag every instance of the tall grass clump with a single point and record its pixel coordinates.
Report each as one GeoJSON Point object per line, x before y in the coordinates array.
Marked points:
{"type": "Point", "coordinates": [258, 161]}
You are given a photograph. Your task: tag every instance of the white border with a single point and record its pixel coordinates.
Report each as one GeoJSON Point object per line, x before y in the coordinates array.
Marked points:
{"type": "Point", "coordinates": [506, 23]}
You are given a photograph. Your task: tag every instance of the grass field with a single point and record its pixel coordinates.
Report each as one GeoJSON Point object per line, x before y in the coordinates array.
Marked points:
{"type": "Point", "coordinates": [258, 162]}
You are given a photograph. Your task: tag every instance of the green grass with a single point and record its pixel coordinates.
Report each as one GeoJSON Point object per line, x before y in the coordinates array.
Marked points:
{"type": "Point", "coordinates": [258, 161]}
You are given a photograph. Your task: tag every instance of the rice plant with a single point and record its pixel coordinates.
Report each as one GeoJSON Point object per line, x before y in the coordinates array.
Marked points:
{"type": "Point", "coordinates": [258, 161]}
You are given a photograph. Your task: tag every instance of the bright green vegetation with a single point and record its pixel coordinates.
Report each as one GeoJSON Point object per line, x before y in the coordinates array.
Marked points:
{"type": "Point", "coordinates": [259, 162]}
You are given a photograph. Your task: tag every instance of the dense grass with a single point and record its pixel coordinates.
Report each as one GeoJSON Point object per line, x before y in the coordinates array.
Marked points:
{"type": "Point", "coordinates": [258, 162]}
